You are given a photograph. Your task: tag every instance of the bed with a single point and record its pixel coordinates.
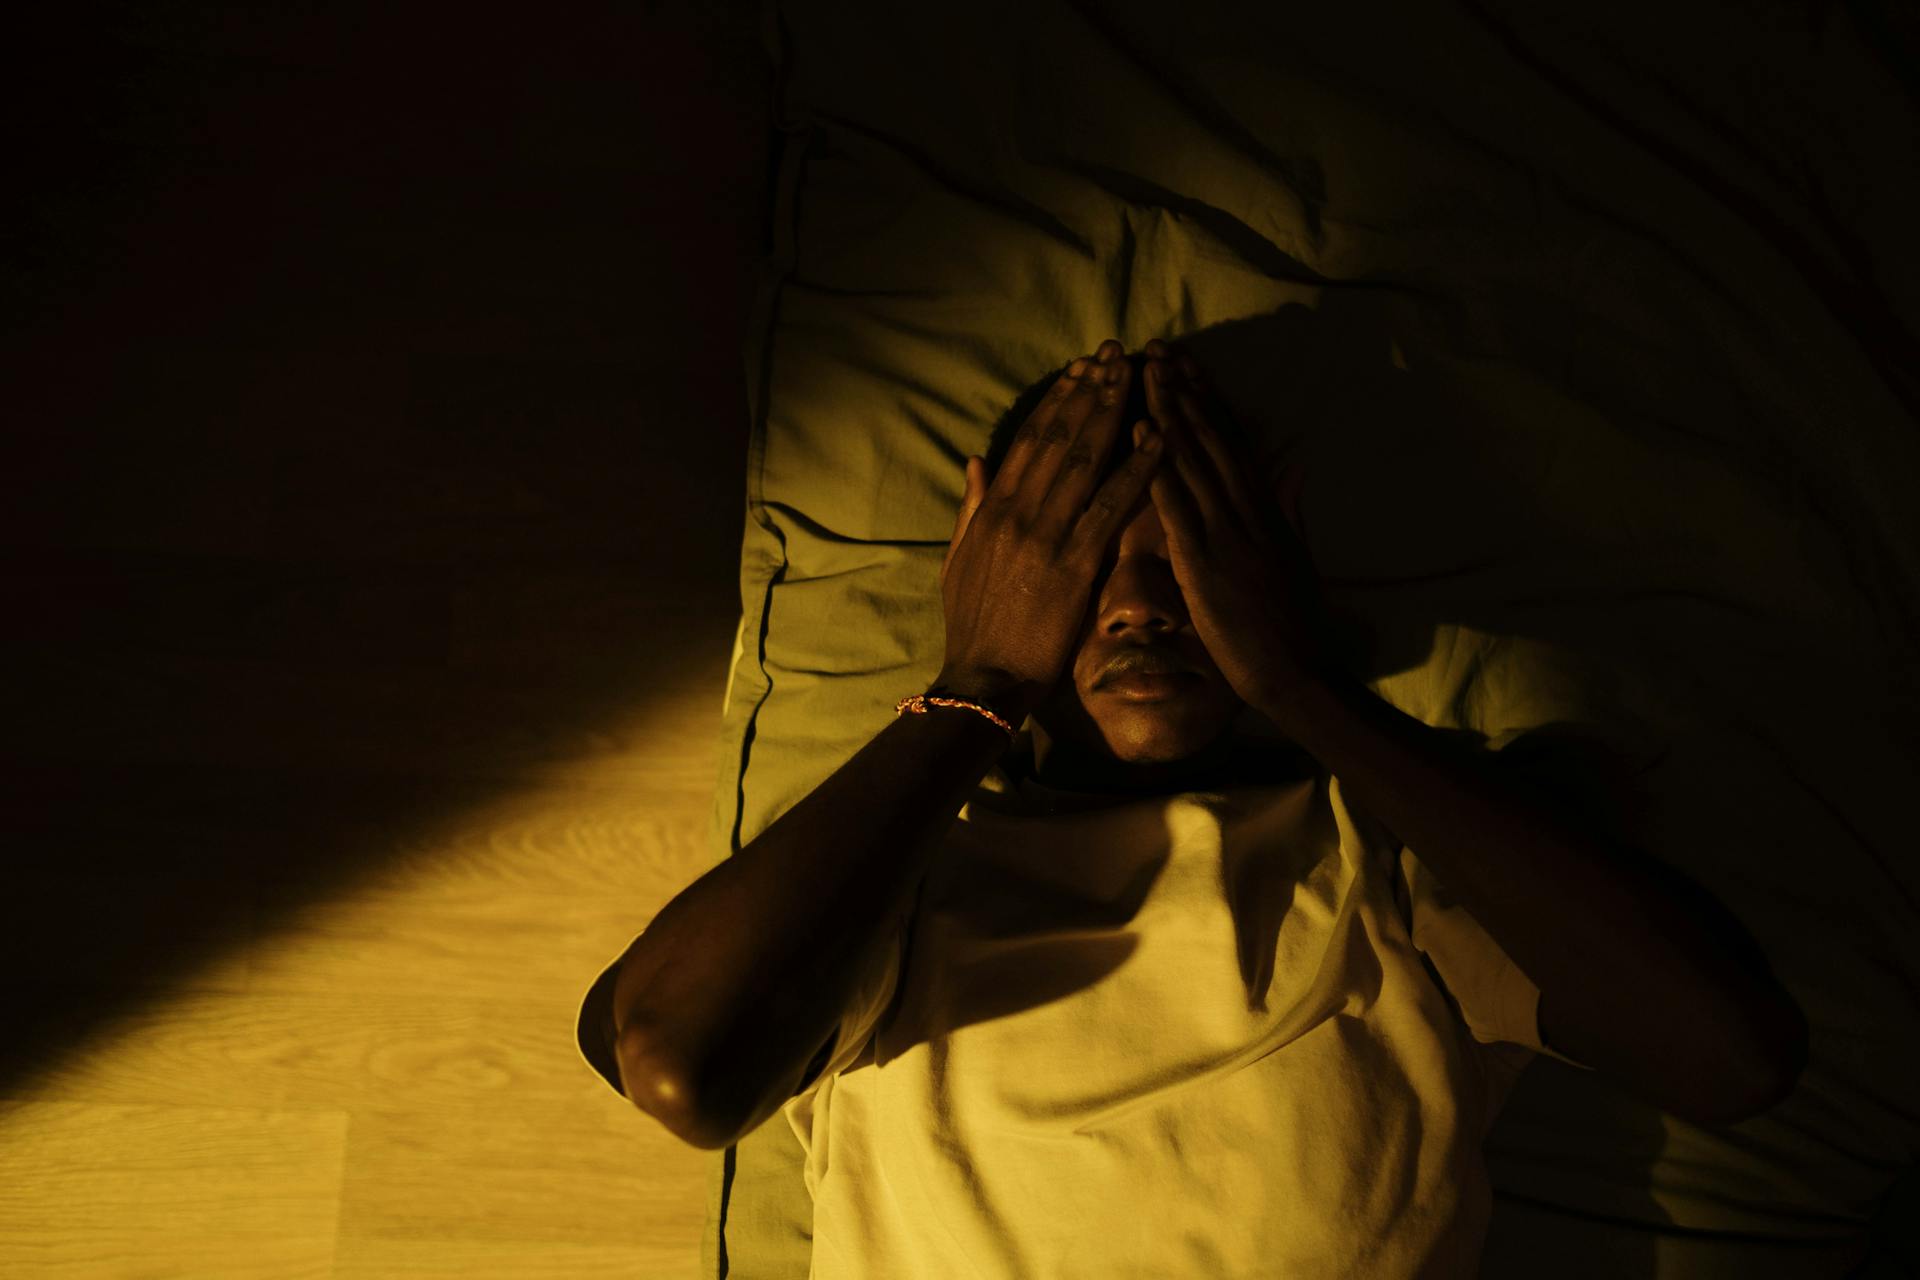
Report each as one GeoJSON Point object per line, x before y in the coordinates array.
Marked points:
{"type": "Point", "coordinates": [1594, 332]}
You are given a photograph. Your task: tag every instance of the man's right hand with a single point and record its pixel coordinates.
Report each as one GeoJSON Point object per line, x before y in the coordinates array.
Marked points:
{"type": "Point", "coordinates": [1021, 564]}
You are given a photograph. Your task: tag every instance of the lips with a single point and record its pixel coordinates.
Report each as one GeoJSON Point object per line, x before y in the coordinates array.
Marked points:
{"type": "Point", "coordinates": [1138, 686]}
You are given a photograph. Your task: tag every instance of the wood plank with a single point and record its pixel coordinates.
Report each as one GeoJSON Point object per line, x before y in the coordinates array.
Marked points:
{"type": "Point", "coordinates": [500, 945]}
{"type": "Point", "coordinates": [380, 1258]}
{"type": "Point", "coordinates": [568, 1177]}
{"type": "Point", "coordinates": [93, 1189]}
{"type": "Point", "coordinates": [443, 1056]}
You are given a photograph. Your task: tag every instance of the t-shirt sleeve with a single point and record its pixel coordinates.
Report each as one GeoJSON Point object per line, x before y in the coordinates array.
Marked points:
{"type": "Point", "coordinates": [595, 1030]}
{"type": "Point", "coordinates": [1498, 1001]}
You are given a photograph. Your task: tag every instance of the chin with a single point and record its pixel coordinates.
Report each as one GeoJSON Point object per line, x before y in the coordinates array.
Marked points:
{"type": "Point", "coordinates": [1153, 733]}
{"type": "Point", "coordinates": [1143, 737]}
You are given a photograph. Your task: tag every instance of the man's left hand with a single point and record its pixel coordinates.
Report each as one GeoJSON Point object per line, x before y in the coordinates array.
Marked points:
{"type": "Point", "coordinates": [1249, 584]}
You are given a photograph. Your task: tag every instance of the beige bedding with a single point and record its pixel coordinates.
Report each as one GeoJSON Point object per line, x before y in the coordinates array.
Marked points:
{"type": "Point", "coordinates": [1595, 336]}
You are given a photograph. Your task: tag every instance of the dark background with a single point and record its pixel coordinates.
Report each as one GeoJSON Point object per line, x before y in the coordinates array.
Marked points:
{"type": "Point", "coordinates": [375, 430]}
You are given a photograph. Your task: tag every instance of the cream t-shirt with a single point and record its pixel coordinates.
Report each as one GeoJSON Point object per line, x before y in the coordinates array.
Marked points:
{"type": "Point", "coordinates": [1234, 1033]}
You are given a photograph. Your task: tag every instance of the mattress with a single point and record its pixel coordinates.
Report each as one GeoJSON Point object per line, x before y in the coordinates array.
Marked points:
{"type": "Point", "coordinates": [1593, 329]}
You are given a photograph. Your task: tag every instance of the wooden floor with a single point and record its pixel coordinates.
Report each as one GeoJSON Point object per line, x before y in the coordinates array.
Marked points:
{"type": "Point", "coordinates": [375, 488]}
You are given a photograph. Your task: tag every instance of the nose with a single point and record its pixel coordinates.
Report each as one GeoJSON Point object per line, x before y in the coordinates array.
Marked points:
{"type": "Point", "coordinates": [1141, 618]}
{"type": "Point", "coordinates": [1133, 619]}
{"type": "Point", "coordinates": [1142, 598]}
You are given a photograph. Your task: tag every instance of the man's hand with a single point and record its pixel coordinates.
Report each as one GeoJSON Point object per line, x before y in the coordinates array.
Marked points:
{"type": "Point", "coordinates": [1249, 585]}
{"type": "Point", "coordinates": [1026, 548]}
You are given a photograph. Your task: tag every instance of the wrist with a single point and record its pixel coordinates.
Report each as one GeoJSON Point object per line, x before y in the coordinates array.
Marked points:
{"type": "Point", "coordinates": [1007, 696]}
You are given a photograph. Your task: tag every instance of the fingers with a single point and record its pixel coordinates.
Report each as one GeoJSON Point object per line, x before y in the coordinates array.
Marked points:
{"type": "Point", "coordinates": [1121, 492]}
{"type": "Point", "coordinates": [1095, 416]}
{"type": "Point", "coordinates": [1034, 457]}
{"type": "Point", "coordinates": [1227, 467]}
{"type": "Point", "coordinates": [1028, 441]}
{"type": "Point", "coordinates": [1201, 492]}
{"type": "Point", "coordinates": [1063, 445]}
{"type": "Point", "coordinates": [1207, 463]}
{"type": "Point", "coordinates": [1179, 515]}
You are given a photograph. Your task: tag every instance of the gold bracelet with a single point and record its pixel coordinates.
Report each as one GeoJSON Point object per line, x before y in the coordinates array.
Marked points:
{"type": "Point", "coordinates": [919, 703]}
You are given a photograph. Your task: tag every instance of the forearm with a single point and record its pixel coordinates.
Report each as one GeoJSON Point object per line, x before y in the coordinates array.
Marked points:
{"type": "Point", "coordinates": [736, 983]}
{"type": "Point", "coordinates": [1639, 980]}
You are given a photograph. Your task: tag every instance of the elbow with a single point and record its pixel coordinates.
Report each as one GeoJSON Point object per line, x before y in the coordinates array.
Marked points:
{"type": "Point", "coordinates": [690, 1127]}
{"type": "Point", "coordinates": [664, 1090]}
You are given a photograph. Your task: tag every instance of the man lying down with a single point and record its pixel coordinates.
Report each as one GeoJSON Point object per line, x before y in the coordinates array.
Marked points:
{"type": "Point", "coordinates": [1157, 1003]}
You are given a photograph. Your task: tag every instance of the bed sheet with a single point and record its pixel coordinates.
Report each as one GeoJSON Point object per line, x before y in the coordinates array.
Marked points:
{"type": "Point", "coordinates": [1594, 333]}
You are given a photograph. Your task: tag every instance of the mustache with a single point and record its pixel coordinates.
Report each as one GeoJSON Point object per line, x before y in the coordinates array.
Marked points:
{"type": "Point", "coordinates": [1148, 660]}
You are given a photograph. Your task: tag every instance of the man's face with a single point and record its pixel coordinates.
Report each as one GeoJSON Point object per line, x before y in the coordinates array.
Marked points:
{"type": "Point", "coordinates": [1137, 623]}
